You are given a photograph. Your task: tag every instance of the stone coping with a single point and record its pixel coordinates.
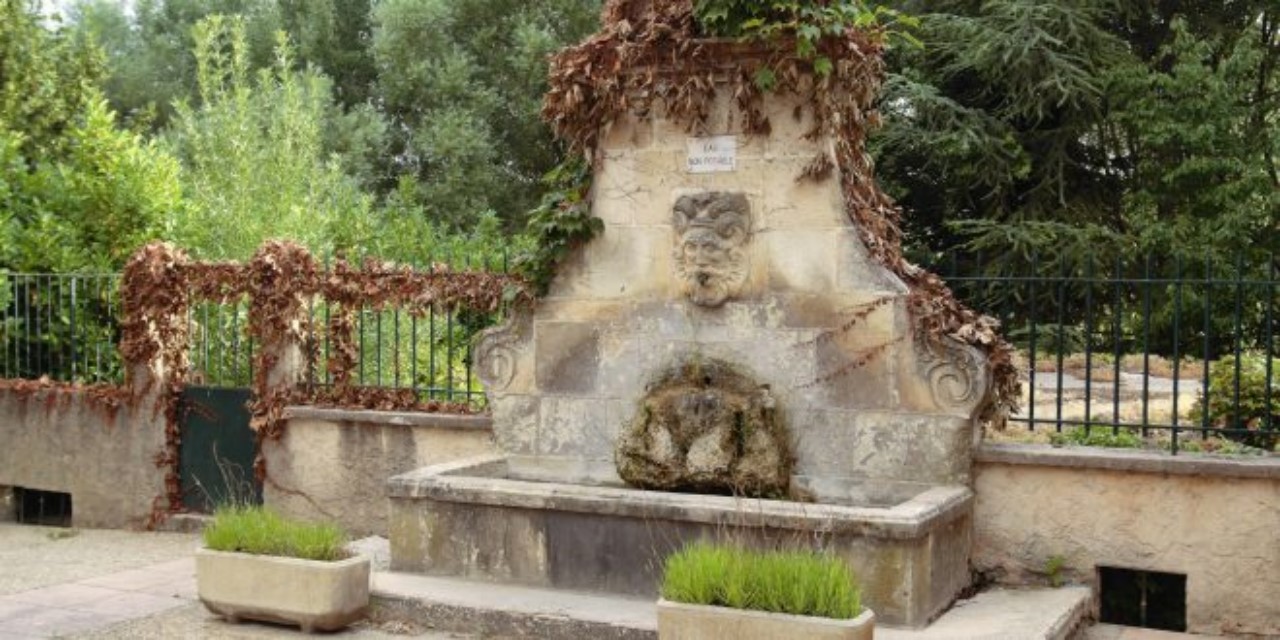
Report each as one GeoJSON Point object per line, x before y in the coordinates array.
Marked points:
{"type": "Point", "coordinates": [392, 418]}
{"type": "Point", "coordinates": [1266, 468]}
{"type": "Point", "coordinates": [482, 481]}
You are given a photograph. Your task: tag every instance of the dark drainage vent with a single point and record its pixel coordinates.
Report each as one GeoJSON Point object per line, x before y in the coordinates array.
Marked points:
{"type": "Point", "coordinates": [1147, 599]}
{"type": "Point", "coordinates": [44, 508]}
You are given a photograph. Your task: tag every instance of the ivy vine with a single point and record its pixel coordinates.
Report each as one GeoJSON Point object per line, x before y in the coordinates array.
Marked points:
{"type": "Point", "coordinates": [806, 22]}
{"type": "Point", "coordinates": [561, 223]}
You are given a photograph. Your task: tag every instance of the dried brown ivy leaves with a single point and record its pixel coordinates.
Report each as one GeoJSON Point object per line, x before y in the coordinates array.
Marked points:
{"type": "Point", "coordinates": [160, 283]}
{"type": "Point", "coordinates": [648, 58]}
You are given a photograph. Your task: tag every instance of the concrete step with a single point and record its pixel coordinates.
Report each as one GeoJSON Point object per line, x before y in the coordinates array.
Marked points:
{"type": "Point", "coordinates": [497, 610]}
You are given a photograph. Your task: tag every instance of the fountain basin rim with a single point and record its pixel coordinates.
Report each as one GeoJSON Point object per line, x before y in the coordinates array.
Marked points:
{"type": "Point", "coordinates": [483, 481]}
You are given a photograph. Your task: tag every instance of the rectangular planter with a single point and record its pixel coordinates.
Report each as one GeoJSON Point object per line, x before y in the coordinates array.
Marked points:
{"type": "Point", "coordinates": [677, 621]}
{"type": "Point", "coordinates": [317, 596]}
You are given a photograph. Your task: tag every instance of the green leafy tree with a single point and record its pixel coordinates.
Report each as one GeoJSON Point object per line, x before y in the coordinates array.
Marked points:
{"type": "Point", "coordinates": [254, 157]}
{"type": "Point", "coordinates": [1082, 135]}
{"type": "Point", "coordinates": [151, 61]}
{"type": "Point", "coordinates": [76, 191]}
{"type": "Point", "coordinates": [462, 80]}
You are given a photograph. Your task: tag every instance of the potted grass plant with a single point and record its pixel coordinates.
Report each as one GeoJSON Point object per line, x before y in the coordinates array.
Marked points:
{"type": "Point", "coordinates": [727, 591]}
{"type": "Point", "coordinates": [257, 565]}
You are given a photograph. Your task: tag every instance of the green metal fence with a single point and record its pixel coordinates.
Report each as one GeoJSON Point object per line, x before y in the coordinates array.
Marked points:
{"type": "Point", "coordinates": [1162, 348]}
{"type": "Point", "coordinates": [1158, 347]}
{"type": "Point", "coordinates": [64, 327]}
{"type": "Point", "coordinates": [429, 353]}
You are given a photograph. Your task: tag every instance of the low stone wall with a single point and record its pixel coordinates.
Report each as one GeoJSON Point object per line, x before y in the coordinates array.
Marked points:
{"type": "Point", "coordinates": [1215, 520]}
{"type": "Point", "coordinates": [334, 464]}
{"type": "Point", "coordinates": [66, 442]}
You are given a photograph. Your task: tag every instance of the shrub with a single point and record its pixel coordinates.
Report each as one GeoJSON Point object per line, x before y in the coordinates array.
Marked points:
{"type": "Point", "coordinates": [793, 582]}
{"type": "Point", "coordinates": [1253, 413]}
{"type": "Point", "coordinates": [1097, 436]}
{"type": "Point", "coordinates": [260, 531]}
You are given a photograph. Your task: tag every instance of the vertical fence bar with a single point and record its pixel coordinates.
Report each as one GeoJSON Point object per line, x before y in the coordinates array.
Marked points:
{"type": "Point", "coordinates": [72, 317]}
{"type": "Point", "coordinates": [413, 353]}
{"type": "Point", "coordinates": [328, 371]}
{"type": "Point", "coordinates": [10, 322]}
{"type": "Point", "coordinates": [1177, 348]}
{"type": "Point", "coordinates": [1032, 345]}
{"type": "Point", "coordinates": [25, 360]}
{"type": "Point", "coordinates": [1208, 331]}
{"type": "Point", "coordinates": [431, 363]}
{"type": "Point", "coordinates": [1269, 290]}
{"type": "Point", "coordinates": [47, 361]}
{"type": "Point", "coordinates": [1117, 352]}
{"type": "Point", "coordinates": [1090, 275]}
{"type": "Point", "coordinates": [395, 351]}
{"type": "Point", "coordinates": [448, 318]}
{"type": "Point", "coordinates": [1237, 420]}
{"type": "Point", "coordinates": [1061, 349]}
{"type": "Point", "coordinates": [1146, 345]}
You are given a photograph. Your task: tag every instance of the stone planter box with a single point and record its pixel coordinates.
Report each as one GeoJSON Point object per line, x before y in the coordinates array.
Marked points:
{"type": "Point", "coordinates": [317, 596]}
{"type": "Point", "coordinates": [677, 621]}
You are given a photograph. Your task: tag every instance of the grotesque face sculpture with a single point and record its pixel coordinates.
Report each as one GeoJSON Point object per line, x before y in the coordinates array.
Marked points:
{"type": "Point", "coordinates": [712, 230]}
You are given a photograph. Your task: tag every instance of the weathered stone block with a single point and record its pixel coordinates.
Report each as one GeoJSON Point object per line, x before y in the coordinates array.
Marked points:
{"type": "Point", "coordinates": [567, 356]}
{"type": "Point", "coordinates": [802, 261]}
{"type": "Point", "coordinates": [856, 272]}
{"type": "Point", "coordinates": [794, 203]}
{"type": "Point", "coordinates": [884, 445]}
{"type": "Point", "coordinates": [628, 262]}
{"type": "Point", "coordinates": [575, 426]}
{"type": "Point", "coordinates": [856, 371]}
{"type": "Point", "coordinates": [516, 420]}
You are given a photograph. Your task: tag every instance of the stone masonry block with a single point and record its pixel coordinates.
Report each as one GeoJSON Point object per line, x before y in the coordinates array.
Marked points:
{"type": "Point", "coordinates": [577, 426]}
{"type": "Point", "coordinates": [568, 357]}
{"type": "Point", "coordinates": [802, 261]}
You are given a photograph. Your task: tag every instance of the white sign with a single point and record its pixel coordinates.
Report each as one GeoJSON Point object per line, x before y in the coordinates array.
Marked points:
{"type": "Point", "coordinates": [713, 155]}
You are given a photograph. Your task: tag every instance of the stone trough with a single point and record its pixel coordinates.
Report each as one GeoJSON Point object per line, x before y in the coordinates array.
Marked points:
{"type": "Point", "coordinates": [479, 520]}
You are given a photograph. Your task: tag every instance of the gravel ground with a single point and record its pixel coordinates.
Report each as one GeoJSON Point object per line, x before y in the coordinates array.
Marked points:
{"type": "Point", "coordinates": [35, 557]}
{"type": "Point", "coordinates": [194, 621]}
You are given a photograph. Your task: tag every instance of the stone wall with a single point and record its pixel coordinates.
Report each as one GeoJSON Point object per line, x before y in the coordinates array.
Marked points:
{"type": "Point", "coordinates": [334, 465]}
{"type": "Point", "coordinates": [803, 312]}
{"type": "Point", "coordinates": [62, 441]}
{"type": "Point", "coordinates": [1216, 521]}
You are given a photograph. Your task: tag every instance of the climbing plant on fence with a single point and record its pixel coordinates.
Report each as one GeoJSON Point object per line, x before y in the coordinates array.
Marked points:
{"type": "Point", "coordinates": [281, 282]}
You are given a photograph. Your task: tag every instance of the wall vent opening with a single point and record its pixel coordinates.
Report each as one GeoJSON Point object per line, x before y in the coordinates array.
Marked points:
{"type": "Point", "coordinates": [1147, 599]}
{"type": "Point", "coordinates": [43, 508]}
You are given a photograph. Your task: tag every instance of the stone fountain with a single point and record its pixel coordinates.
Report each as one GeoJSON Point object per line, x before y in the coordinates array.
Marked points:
{"type": "Point", "coordinates": [724, 361]}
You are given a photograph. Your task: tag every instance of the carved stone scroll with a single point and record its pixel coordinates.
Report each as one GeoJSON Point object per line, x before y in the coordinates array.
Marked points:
{"type": "Point", "coordinates": [956, 373]}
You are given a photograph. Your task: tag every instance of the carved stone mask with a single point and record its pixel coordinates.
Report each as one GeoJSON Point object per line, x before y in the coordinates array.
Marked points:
{"type": "Point", "coordinates": [712, 230]}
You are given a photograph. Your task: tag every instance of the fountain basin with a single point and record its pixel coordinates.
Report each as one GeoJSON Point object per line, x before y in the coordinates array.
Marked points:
{"type": "Point", "coordinates": [487, 519]}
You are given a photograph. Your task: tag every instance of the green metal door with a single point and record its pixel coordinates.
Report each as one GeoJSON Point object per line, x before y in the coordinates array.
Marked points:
{"type": "Point", "coordinates": [218, 448]}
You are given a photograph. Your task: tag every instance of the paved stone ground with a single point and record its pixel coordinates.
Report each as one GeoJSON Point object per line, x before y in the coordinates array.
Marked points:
{"type": "Point", "coordinates": [115, 585]}
{"type": "Point", "coordinates": [57, 583]}
{"type": "Point", "coordinates": [1113, 632]}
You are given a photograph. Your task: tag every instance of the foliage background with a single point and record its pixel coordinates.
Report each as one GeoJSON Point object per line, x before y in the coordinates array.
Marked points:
{"type": "Point", "coordinates": [1056, 135]}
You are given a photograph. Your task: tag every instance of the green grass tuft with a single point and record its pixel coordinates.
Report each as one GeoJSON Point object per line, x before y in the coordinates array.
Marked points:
{"type": "Point", "coordinates": [260, 531]}
{"type": "Point", "coordinates": [800, 583]}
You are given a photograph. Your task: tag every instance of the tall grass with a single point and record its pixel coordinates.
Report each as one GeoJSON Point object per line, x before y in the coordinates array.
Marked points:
{"type": "Point", "coordinates": [260, 531]}
{"type": "Point", "coordinates": [794, 582]}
